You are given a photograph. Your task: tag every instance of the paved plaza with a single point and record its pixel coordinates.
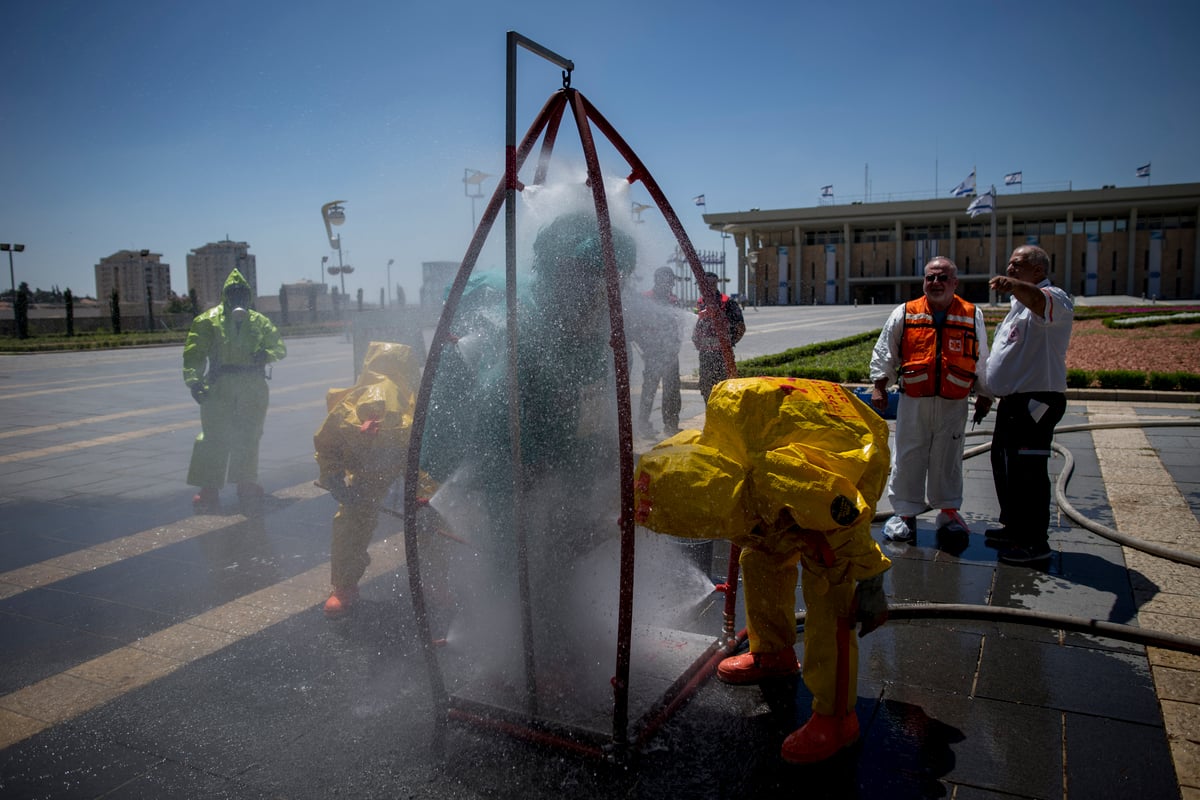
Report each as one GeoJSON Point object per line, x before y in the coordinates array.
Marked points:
{"type": "Point", "coordinates": [151, 653]}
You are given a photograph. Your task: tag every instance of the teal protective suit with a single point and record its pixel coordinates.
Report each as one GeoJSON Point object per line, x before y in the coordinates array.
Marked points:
{"type": "Point", "coordinates": [224, 360]}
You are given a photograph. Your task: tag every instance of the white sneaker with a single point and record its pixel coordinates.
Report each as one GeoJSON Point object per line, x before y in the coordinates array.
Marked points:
{"type": "Point", "coordinates": [951, 522]}
{"type": "Point", "coordinates": [900, 529]}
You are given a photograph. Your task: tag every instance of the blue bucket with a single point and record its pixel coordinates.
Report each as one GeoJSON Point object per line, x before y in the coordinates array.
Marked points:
{"type": "Point", "coordinates": [893, 397]}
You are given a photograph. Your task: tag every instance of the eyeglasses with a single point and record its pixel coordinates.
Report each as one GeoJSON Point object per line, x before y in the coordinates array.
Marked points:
{"type": "Point", "coordinates": [937, 278]}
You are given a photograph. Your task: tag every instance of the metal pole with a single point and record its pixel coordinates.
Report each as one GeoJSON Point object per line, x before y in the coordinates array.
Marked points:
{"type": "Point", "coordinates": [341, 269]}
{"type": "Point", "coordinates": [512, 40]}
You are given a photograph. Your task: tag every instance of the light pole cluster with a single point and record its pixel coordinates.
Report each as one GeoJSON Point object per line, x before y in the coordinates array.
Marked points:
{"type": "Point", "coordinates": [334, 214]}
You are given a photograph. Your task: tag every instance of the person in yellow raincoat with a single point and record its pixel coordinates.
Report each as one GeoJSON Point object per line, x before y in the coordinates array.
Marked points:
{"type": "Point", "coordinates": [224, 366]}
{"type": "Point", "coordinates": [791, 471]}
{"type": "Point", "coordinates": [361, 449]}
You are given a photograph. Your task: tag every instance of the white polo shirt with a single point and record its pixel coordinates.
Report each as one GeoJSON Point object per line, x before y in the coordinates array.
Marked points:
{"type": "Point", "coordinates": [1029, 352]}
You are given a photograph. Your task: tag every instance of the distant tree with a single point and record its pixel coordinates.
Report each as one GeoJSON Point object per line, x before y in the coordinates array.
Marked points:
{"type": "Point", "coordinates": [360, 300]}
{"type": "Point", "coordinates": [312, 301]}
{"type": "Point", "coordinates": [177, 304]}
{"type": "Point", "coordinates": [21, 310]}
{"type": "Point", "coordinates": [382, 299]}
{"type": "Point", "coordinates": [114, 311]}
{"type": "Point", "coordinates": [400, 296]}
{"type": "Point", "coordinates": [195, 301]}
{"type": "Point", "coordinates": [283, 304]}
{"type": "Point", "coordinates": [69, 301]}
{"type": "Point", "coordinates": [335, 299]}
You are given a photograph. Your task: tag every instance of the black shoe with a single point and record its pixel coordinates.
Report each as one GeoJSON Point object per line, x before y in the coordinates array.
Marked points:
{"type": "Point", "coordinates": [1033, 554]}
{"type": "Point", "coordinates": [1002, 534]}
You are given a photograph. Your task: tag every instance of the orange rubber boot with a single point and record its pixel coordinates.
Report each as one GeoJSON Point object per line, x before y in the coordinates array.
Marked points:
{"type": "Point", "coordinates": [820, 738]}
{"type": "Point", "coordinates": [754, 667]}
{"type": "Point", "coordinates": [340, 602]}
{"type": "Point", "coordinates": [206, 501]}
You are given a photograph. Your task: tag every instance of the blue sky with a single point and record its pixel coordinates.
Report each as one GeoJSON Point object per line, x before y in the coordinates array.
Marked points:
{"type": "Point", "coordinates": [165, 125]}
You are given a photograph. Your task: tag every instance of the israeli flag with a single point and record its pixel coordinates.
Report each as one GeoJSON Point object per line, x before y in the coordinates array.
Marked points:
{"type": "Point", "coordinates": [1012, 178]}
{"type": "Point", "coordinates": [827, 191]}
{"type": "Point", "coordinates": [1143, 171]}
{"type": "Point", "coordinates": [984, 204]}
{"type": "Point", "coordinates": [699, 200]}
{"type": "Point", "coordinates": [966, 187]}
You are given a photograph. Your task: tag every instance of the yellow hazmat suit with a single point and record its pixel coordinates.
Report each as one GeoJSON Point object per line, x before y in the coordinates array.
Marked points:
{"type": "Point", "coordinates": [361, 449]}
{"type": "Point", "coordinates": [790, 470]}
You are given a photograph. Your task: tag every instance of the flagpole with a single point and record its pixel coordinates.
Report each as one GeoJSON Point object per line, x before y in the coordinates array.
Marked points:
{"type": "Point", "coordinates": [992, 254]}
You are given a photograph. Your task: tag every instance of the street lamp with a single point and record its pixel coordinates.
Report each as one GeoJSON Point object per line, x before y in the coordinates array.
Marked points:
{"type": "Point", "coordinates": [146, 272]}
{"type": "Point", "coordinates": [5, 247]}
{"type": "Point", "coordinates": [389, 271]}
{"type": "Point", "coordinates": [334, 214]}
{"type": "Point", "coordinates": [473, 177]}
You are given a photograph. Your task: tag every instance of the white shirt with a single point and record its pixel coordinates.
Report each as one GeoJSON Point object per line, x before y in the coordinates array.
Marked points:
{"type": "Point", "coordinates": [1029, 352]}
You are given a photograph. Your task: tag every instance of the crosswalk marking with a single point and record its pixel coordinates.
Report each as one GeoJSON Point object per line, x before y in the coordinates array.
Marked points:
{"type": "Point", "coordinates": [66, 695]}
{"type": "Point", "coordinates": [59, 568]}
{"type": "Point", "coordinates": [116, 438]}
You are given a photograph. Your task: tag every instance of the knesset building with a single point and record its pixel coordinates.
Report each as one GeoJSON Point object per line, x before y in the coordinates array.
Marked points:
{"type": "Point", "coordinates": [1138, 241]}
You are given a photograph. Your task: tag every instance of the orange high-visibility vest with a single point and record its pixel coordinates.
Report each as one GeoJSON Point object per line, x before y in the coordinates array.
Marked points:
{"type": "Point", "coordinates": [938, 361]}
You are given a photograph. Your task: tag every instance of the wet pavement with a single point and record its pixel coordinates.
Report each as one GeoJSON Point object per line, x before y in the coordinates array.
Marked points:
{"type": "Point", "coordinates": [152, 653]}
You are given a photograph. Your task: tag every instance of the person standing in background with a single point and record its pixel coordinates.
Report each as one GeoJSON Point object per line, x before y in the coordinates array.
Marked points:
{"type": "Point", "coordinates": [659, 340]}
{"type": "Point", "coordinates": [224, 367]}
{"type": "Point", "coordinates": [708, 344]}
{"type": "Point", "coordinates": [1027, 370]}
{"type": "Point", "coordinates": [935, 348]}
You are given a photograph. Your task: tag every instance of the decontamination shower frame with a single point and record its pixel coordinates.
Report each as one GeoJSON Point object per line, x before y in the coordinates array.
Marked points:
{"type": "Point", "coordinates": [529, 726]}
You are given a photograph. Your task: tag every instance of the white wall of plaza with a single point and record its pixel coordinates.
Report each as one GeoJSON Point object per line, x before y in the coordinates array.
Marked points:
{"type": "Point", "coordinates": [1111, 241]}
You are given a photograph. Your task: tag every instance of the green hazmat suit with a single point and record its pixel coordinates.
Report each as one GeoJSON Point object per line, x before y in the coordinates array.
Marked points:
{"type": "Point", "coordinates": [224, 360]}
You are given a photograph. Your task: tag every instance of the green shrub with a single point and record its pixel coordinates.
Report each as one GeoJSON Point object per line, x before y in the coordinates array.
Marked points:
{"type": "Point", "coordinates": [1152, 321]}
{"type": "Point", "coordinates": [1163, 381]}
{"type": "Point", "coordinates": [1121, 379]}
{"type": "Point", "coordinates": [1189, 382]}
{"type": "Point", "coordinates": [1079, 378]}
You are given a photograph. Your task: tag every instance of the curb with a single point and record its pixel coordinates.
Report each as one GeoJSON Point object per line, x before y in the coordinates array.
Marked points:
{"type": "Point", "coordinates": [1116, 395]}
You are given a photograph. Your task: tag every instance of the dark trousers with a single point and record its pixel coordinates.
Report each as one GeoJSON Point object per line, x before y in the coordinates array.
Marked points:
{"type": "Point", "coordinates": [662, 367]}
{"type": "Point", "coordinates": [1020, 451]}
{"type": "Point", "coordinates": [712, 370]}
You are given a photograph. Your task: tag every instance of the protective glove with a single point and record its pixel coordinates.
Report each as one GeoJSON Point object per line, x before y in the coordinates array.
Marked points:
{"type": "Point", "coordinates": [336, 484]}
{"type": "Point", "coordinates": [261, 358]}
{"type": "Point", "coordinates": [870, 605]}
{"type": "Point", "coordinates": [199, 391]}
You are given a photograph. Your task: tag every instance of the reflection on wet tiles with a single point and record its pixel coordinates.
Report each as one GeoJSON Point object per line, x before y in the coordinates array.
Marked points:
{"type": "Point", "coordinates": [1084, 680]}
{"type": "Point", "coordinates": [1005, 747]}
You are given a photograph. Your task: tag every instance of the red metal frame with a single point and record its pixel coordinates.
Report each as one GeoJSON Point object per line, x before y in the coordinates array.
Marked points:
{"type": "Point", "coordinates": [531, 728]}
